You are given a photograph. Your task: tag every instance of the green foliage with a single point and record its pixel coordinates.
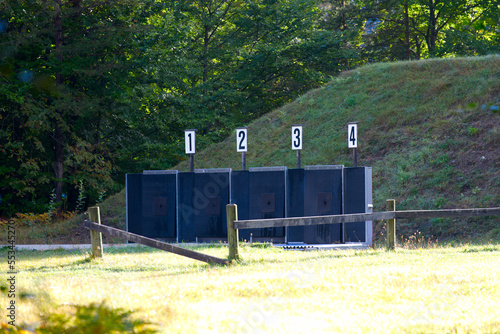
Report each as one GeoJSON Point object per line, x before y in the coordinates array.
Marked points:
{"type": "Point", "coordinates": [93, 91]}
{"type": "Point", "coordinates": [472, 131]}
{"type": "Point", "coordinates": [87, 319]}
{"type": "Point", "coordinates": [71, 89]}
{"type": "Point", "coordinates": [81, 197]}
{"type": "Point", "coordinates": [93, 319]}
{"type": "Point", "coordinates": [473, 32]}
{"type": "Point", "coordinates": [52, 204]}
{"type": "Point", "coordinates": [238, 60]}
{"type": "Point", "coordinates": [415, 29]}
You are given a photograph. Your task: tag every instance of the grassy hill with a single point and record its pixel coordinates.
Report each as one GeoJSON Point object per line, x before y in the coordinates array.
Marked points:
{"type": "Point", "coordinates": [426, 127]}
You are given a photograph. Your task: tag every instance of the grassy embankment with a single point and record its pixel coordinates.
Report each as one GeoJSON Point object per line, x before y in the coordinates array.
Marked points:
{"type": "Point", "coordinates": [425, 127]}
{"type": "Point", "coordinates": [427, 290]}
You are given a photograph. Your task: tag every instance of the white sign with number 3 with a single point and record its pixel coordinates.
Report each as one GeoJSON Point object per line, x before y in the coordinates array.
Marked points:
{"type": "Point", "coordinates": [241, 140]}
{"type": "Point", "coordinates": [297, 137]}
{"type": "Point", "coordinates": [352, 135]}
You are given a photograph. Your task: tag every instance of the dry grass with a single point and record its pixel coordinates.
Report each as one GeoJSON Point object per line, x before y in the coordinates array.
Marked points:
{"type": "Point", "coordinates": [423, 290]}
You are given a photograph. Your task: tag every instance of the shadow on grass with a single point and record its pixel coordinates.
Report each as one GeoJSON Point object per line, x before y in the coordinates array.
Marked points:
{"type": "Point", "coordinates": [88, 263]}
{"type": "Point", "coordinates": [257, 254]}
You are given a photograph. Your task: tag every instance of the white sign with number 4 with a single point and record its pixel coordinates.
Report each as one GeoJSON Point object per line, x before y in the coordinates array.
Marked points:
{"type": "Point", "coordinates": [352, 135]}
{"type": "Point", "coordinates": [241, 140]}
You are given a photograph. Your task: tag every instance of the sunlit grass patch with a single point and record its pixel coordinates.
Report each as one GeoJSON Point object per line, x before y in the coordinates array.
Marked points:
{"type": "Point", "coordinates": [411, 290]}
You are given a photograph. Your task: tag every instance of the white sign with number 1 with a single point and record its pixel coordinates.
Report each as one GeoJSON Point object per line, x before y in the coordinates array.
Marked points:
{"type": "Point", "coordinates": [190, 137]}
{"type": "Point", "coordinates": [241, 140]}
{"type": "Point", "coordinates": [352, 135]}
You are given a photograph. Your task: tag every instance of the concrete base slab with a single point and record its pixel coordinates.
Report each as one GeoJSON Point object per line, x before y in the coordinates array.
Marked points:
{"type": "Point", "coordinates": [309, 247]}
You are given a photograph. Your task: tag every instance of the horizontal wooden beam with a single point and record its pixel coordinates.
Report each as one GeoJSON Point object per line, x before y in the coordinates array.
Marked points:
{"type": "Point", "coordinates": [361, 217]}
{"type": "Point", "coordinates": [446, 213]}
{"type": "Point", "coordinates": [153, 243]}
{"type": "Point", "coordinates": [315, 220]}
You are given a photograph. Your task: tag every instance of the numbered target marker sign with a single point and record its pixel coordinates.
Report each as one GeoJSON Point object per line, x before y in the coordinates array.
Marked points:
{"type": "Point", "coordinates": [352, 135]}
{"type": "Point", "coordinates": [241, 139]}
{"type": "Point", "coordinates": [297, 137]}
{"type": "Point", "coordinates": [190, 137]}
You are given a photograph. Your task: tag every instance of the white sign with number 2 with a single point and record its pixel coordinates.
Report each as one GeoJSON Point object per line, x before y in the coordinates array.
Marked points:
{"type": "Point", "coordinates": [241, 140]}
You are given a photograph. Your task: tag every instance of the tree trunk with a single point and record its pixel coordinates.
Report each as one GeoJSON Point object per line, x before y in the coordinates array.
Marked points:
{"type": "Point", "coordinates": [344, 28]}
{"type": "Point", "coordinates": [418, 48]}
{"type": "Point", "coordinates": [206, 42]}
{"type": "Point", "coordinates": [58, 131]}
{"type": "Point", "coordinates": [407, 32]}
{"type": "Point", "coordinates": [431, 35]}
{"type": "Point", "coordinates": [344, 21]}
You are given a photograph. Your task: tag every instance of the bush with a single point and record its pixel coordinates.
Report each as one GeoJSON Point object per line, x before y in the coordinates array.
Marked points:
{"type": "Point", "coordinates": [94, 319]}
{"type": "Point", "coordinates": [32, 219]}
{"type": "Point", "coordinates": [88, 319]}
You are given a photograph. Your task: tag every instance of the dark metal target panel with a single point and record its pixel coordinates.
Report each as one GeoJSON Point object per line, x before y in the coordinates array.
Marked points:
{"type": "Point", "coordinates": [151, 204]}
{"type": "Point", "coordinates": [329, 190]}
{"type": "Point", "coordinates": [295, 203]}
{"type": "Point", "coordinates": [322, 197]}
{"type": "Point", "coordinates": [315, 191]}
{"type": "Point", "coordinates": [260, 194]}
{"type": "Point", "coordinates": [358, 199]}
{"type": "Point", "coordinates": [203, 196]}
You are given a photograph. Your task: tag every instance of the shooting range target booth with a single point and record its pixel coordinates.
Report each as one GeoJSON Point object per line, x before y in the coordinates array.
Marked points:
{"type": "Point", "coordinates": [191, 206]}
{"type": "Point", "coordinates": [315, 191]}
{"type": "Point", "coordinates": [260, 193]}
{"type": "Point", "coordinates": [329, 190]}
{"type": "Point", "coordinates": [358, 199]}
{"type": "Point", "coordinates": [151, 204]}
{"type": "Point", "coordinates": [201, 207]}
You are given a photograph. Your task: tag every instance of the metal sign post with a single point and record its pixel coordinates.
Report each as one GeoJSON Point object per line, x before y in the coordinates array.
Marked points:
{"type": "Point", "coordinates": [242, 145]}
{"type": "Point", "coordinates": [297, 141]}
{"type": "Point", "coordinates": [190, 140]}
{"type": "Point", "coordinates": [352, 140]}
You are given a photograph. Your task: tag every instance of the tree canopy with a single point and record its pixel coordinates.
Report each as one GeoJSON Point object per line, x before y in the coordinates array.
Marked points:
{"type": "Point", "coordinates": [91, 90]}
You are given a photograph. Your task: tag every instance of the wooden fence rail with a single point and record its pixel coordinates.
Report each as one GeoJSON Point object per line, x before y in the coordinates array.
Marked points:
{"type": "Point", "coordinates": [233, 225]}
{"type": "Point", "coordinates": [390, 216]}
{"type": "Point", "coordinates": [361, 217]}
{"type": "Point", "coordinates": [313, 220]}
{"type": "Point", "coordinates": [152, 243]}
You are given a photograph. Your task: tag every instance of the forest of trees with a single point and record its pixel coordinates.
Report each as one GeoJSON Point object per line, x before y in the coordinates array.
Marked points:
{"type": "Point", "coordinates": [93, 89]}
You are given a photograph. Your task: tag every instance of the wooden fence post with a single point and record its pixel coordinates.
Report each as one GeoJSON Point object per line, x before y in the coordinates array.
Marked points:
{"type": "Point", "coordinates": [232, 233]}
{"type": "Point", "coordinates": [95, 237]}
{"type": "Point", "coordinates": [391, 225]}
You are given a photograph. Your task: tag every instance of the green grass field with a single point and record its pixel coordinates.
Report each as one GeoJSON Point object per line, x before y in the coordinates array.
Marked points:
{"type": "Point", "coordinates": [426, 290]}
